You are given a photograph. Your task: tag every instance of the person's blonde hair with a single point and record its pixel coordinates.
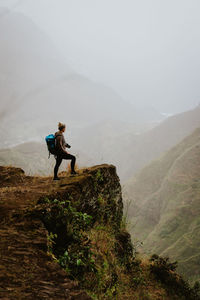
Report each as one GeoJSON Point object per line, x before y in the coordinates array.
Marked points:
{"type": "Point", "coordinates": [61, 126]}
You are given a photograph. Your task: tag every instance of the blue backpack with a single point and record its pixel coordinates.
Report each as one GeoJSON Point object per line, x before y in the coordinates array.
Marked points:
{"type": "Point", "coordinates": [50, 140]}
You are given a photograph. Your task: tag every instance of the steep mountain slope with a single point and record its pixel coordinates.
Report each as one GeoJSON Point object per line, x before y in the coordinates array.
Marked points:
{"type": "Point", "coordinates": [109, 140]}
{"type": "Point", "coordinates": [164, 205]}
{"type": "Point", "coordinates": [153, 143]}
{"type": "Point", "coordinates": [67, 240]}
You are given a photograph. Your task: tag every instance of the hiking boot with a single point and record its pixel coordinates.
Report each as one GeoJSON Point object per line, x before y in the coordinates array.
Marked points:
{"type": "Point", "coordinates": [73, 173]}
{"type": "Point", "coordinates": [56, 178]}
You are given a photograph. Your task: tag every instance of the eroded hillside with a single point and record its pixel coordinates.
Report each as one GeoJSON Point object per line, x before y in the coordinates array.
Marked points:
{"type": "Point", "coordinates": [164, 206]}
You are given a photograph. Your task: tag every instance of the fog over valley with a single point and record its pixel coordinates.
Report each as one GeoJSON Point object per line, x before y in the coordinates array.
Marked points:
{"type": "Point", "coordinates": [41, 84]}
{"type": "Point", "coordinates": [124, 78]}
{"type": "Point", "coordinates": [146, 51]}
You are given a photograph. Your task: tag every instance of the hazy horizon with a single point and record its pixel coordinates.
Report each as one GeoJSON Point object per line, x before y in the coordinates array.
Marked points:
{"type": "Point", "coordinates": [123, 76]}
{"type": "Point", "coordinates": [148, 52]}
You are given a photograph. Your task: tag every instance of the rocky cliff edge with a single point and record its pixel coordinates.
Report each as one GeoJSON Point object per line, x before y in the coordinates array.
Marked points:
{"type": "Point", "coordinates": [67, 239]}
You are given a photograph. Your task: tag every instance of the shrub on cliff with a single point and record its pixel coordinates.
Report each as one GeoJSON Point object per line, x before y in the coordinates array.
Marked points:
{"type": "Point", "coordinates": [165, 271]}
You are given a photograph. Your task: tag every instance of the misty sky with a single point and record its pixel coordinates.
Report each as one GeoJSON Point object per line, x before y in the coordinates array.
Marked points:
{"type": "Point", "coordinates": [147, 50]}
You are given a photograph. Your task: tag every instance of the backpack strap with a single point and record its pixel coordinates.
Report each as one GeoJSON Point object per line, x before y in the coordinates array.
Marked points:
{"type": "Point", "coordinates": [57, 135]}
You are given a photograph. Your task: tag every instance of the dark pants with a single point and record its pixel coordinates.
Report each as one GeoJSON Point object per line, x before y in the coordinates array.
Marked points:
{"type": "Point", "coordinates": [59, 159]}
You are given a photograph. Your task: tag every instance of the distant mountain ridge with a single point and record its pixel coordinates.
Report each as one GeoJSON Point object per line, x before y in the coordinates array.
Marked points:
{"type": "Point", "coordinates": [152, 143]}
{"type": "Point", "coordinates": [164, 206]}
{"type": "Point", "coordinates": [120, 144]}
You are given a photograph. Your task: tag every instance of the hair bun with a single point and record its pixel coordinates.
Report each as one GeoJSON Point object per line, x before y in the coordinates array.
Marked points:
{"type": "Point", "coordinates": [61, 126]}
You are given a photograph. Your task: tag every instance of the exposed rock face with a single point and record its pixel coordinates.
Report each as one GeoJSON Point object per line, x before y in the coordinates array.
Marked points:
{"type": "Point", "coordinates": [87, 190]}
{"type": "Point", "coordinates": [27, 271]}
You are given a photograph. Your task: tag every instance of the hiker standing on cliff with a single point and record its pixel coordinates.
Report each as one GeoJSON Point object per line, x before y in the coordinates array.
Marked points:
{"type": "Point", "coordinates": [61, 153]}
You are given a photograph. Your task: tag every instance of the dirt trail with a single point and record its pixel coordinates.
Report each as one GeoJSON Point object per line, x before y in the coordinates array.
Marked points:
{"type": "Point", "coordinates": [26, 270]}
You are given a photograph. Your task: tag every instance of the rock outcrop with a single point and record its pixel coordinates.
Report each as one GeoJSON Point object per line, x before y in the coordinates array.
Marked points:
{"type": "Point", "coordinates": [67, 240]}
{"type": "Point", "coordinates": [27, 271]}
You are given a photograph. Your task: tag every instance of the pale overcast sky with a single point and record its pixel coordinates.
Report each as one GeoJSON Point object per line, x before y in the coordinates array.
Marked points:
{"type": "Point", "coordinates": [147, 50]}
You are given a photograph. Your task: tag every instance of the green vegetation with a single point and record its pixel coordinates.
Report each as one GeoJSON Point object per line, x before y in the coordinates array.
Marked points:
{"type": "Point", "coordinates": [164, 271]}
{"type": "Point", "coordinates": [90, 252]}
{"type": "Point", "coordinates": [165, 206]}
{"type": "Point", "coordinates": [68, 241]}
{"type": "Point", "coordinates": [103, 259]}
